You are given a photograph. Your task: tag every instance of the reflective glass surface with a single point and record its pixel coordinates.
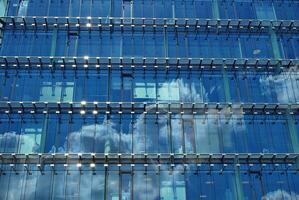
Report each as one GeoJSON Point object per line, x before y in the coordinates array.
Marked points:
{"type": "Point", "coordinates": [133, 85]}
{"type": "Point", "coordinates": [160, 43]}
{"type": "Point", "coordinates": [241, 9]}
{"type": "Point", "coordinates": [146, 133]}
{"type": "Point", "coordinates": [178, 135]}
{"type": "Point", "coordinates": [167, 183]}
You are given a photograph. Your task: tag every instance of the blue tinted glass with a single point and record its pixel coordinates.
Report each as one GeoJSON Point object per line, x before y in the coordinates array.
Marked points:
{"type": "Point", "coordinates": [13, 7]}
{"type": "Point", "coordinates": [203, 9]}
{"type": "Point", "coordinates": [227, 10]}
{"type": "Point", "coordinates": [286, 10]}
{"type": "Point", "coordinates": [100, 8]}
{"type": "Point", "coordinates": [245, 10]}
{"type": "Point", "coordinates": [58, 7]}
{"type": "Point", "coordinates": [148, 7]}
{"type": "Point", "coordinates": [264, 10]}
{"type": "Point", "coordinates": [40, 8]}
{"type": "Point", "coordinates": [85, 8]}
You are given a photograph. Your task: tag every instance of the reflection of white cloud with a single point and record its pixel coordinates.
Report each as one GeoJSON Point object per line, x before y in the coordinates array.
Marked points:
{"type": "Point", "coordinates": [209, 127]}
{"type": "Point", "coordinates": [9, 141]}
{"type": "Point", "coordinates": [96, 138]}
{"type": "Point", "coordinates": [179, 89]}
{"type": "Point", "coordinates": [283, 85]}
{"type": "Point", "coordinates": [37, 186]}
{"type": "Point", "coordinates": [145, 186]}
{"type": "Point", "coordinates": [20, 143]}
{"type": "Point", "coordinates": [280, 195]}
{"type": "Point", "coordinates": [109, 136]}
{"type": "Point", "coordinates": [144, 134]}
{"type": "Point", "coordinates": [256, 51]}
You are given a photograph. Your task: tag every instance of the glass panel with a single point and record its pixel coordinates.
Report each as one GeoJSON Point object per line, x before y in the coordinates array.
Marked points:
{"type": "Point", "coordinates": [176, 133]}
{"type": "Point", "coordinates": [100, 8]}
{"type": "Point", "coordinates": [42, 188]}
{"type": "Point", "coordinates": [85, 8]}
{"type": "Point", "coordinates": [31, 135]}
{"type": "Point", "coordinates": [97, 185]}
{"type": "Point", "coordinates": [189, 139]}
{"type": "Point", "coordinates": [12, 137]}
{"type": "Point", "coordinates": [146, 185]}
{"type": "Point", "coordinates": [50, 92]}
{"type": "Point", "coordinates": [126, 134]}
{"type": "Point", "coordinates": [203, 9]}
{"type": "Point", "coordinates": [265, 10]}
{"type": "Point", "coordinates": [72, 181]}
{"type": "Point", "coordinates": [13, 8]}
{"type": "Point", "coordinates": [152, 134]}
{"type": "Point", "coordinates": [245, 10]}
{"type": "Point", "coordinates": [126, 9]}
{"type": "Point", "coordinates": [127, 87]}
{"type": "Point", "coordinates": [59, 183]}
{"type": "Point", "coordinates": [126, 186]}
{"type": "Point", "coordinates": [113, 186]}
{"type": "Point", "coordinates": [23, 8]}
{"type": "Point", "coordinates": [58, 7]}
{"type": "Point", "coordinates": [15, 184]}
{"type": "Point", "coordinates": [207, 139]}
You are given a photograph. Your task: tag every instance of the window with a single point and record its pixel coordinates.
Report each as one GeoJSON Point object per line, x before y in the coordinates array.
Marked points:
{"type": "Point", "coordinates": [58, 7]}
{"type": "Point", "coordinates": [50, 92]}
{"type": "Point", "coordinates": [31, 135]}
{"type": "Point", "coordinates": [126, 9]}
{"type": "Point", "coordinates": [189, 137]}
{"type": "Point", "coordinates": [207, 139]}
{"type": "Point", "coordinates": [245, 10]}
{"type": "Point", "coordinates": [23, 8]}
{"type": "Point", "coordinates": [172, 186]}
{"type": "Point", "coordinates": [265, 10]}
{"type": "Point", "coordinates": [145, 88]}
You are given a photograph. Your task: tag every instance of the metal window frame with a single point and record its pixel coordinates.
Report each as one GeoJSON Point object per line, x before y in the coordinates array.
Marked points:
{"type": "Point", "coordinates": [85, 62]}
{"type": "Point", "coordinates": [119, 23]}
{"type": "Point", "coordinates": [149, 159]}
{"type": "Point", "coordinates": [11, 107]}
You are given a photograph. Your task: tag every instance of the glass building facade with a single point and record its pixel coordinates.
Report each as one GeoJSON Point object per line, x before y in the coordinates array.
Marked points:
{"type": "Point", "coordinates": [149, 100]}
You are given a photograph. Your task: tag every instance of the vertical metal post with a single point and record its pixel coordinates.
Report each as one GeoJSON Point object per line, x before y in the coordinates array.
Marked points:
{"type": "Point", "coordinates": [106, 184]}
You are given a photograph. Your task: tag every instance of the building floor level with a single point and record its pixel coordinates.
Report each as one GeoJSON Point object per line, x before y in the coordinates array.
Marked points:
{"type": "Point", "coordinates": [149, 100]}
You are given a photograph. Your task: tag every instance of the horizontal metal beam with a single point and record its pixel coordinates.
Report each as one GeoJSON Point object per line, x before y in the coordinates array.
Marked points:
{"type": "Point", "coordinates": [158, 158]}
{"type": "Point", "coordinates": [142, 24]}
{"type": "Point", "coordinates": [146, 108]}
{"type": "Point", "coordinates": [156, 63]}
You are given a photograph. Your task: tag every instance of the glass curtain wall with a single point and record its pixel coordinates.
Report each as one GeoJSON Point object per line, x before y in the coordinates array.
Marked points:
{"type": "Point", "coordinates": [72, 182]}
{"type": "Point", "coordinates": [240, 9]}
{"type": "Point", "coordinates": [161, 43]}
{"type": "Point", "coordinates": [137, 85]}
{"type": "Point", "coordinates": [147, 133]}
